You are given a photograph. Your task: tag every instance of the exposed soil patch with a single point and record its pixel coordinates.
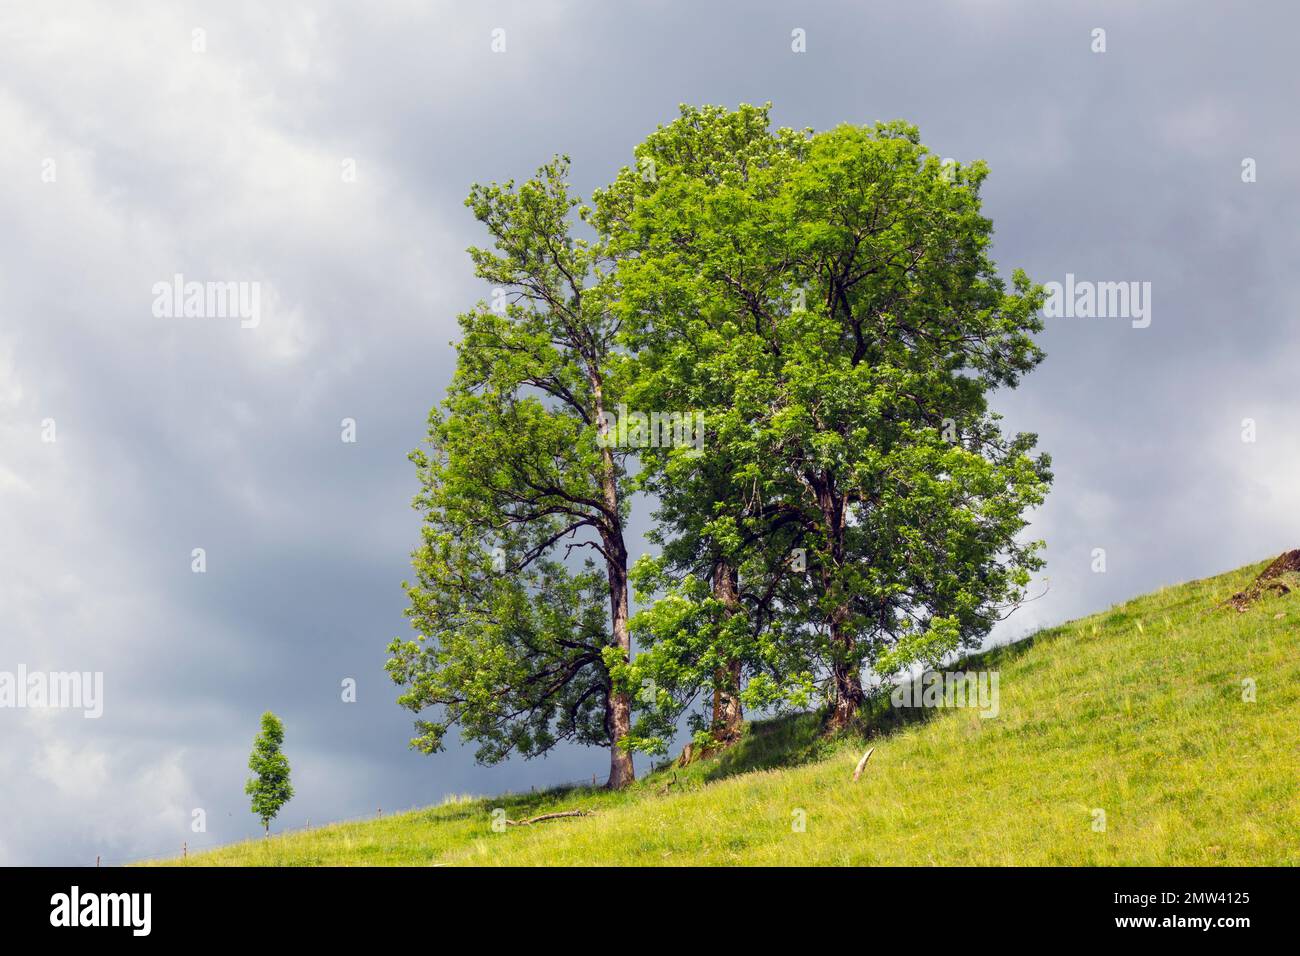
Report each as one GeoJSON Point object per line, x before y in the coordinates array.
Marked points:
{"type": "Point", "coordinates": [1280, 577]}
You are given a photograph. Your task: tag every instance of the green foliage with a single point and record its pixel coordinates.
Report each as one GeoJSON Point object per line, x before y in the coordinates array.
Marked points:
{"type": "Point", "coordinates": [710, 628]}
{"type": "Point", "coordinates": [516, 487]}
{"type": "Point", "coordinates": [828, 301]}
{"type": "Point", "coordinates": [270, 788]}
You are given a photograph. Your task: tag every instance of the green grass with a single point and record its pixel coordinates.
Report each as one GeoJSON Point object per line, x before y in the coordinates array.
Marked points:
{"type": "Point", "coordinates": [1136, 711]}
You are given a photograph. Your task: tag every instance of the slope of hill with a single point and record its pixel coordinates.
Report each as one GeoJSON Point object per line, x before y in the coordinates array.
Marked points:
{"type": "Point", "coordinates": [1129, 737]}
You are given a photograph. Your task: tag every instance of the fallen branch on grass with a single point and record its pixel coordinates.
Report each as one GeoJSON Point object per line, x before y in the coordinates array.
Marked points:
{"type": "Point", "coordinates": [550, 816]}
{"type": "Point", "coordinates": [857, 771]}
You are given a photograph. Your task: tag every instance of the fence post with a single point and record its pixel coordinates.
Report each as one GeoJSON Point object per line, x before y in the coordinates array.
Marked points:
{"type": "Point", "coordinates": [96, 861]}
{"type": "Point", "coordinates": [185, 851]}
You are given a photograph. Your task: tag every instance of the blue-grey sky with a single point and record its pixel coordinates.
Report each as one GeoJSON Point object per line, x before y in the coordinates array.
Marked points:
{"type": "Point", "coordinates": [135, 148]}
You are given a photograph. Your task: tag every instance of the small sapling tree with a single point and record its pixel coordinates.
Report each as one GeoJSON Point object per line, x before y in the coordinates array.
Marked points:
{"type": "Point", "coordinates": [270, 789]}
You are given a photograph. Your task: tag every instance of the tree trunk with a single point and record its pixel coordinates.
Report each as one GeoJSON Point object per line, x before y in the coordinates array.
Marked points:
{"type": "Point", "coordinates": [848, 695]}
{"type": "Point", "coordinates": [728, 714]}
{"type": "Point", "coordinates": [619, 712]}
{"type": "Point", "coordinates": [846, 671]}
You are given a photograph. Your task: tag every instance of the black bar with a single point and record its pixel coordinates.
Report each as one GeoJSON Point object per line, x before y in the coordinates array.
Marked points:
{"type": "Point", "coordinates": [195, 904]}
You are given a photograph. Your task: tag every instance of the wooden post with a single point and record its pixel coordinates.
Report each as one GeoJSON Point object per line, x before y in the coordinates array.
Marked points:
{"type": "Point", "coordinates": [96, 861]}
{"type": "Point", "coordinates": [185, 851]}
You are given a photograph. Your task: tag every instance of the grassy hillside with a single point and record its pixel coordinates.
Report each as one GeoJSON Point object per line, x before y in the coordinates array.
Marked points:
{"type": "Point", "coordinates": [1136, 711]}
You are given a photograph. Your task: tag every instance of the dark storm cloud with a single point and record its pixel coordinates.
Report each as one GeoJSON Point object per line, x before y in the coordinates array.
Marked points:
{"type": "Point", "coordinates": [175, 434]}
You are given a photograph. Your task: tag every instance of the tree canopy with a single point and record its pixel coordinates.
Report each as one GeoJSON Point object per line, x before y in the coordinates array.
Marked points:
{"type": "Point", "coordinates": [270, 788]}
{"type": "Point", "coordinates": [826, 306]}
{"type": "Point", "coordinates": [521, 597]}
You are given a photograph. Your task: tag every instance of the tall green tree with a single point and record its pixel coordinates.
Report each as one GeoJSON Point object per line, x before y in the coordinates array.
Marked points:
{"type": "Point", "coordinates": [852, 324]}
{"type": "Point", "coordinates": [270, 788]}
{"type": "Point", "coordinates": [520, 599]}
{"type": "Point", "coordinates": [692, 350]}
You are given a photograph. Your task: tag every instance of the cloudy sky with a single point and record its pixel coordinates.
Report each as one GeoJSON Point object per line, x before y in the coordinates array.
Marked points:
{"type": "Point", "coordinates": [135, 148]}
